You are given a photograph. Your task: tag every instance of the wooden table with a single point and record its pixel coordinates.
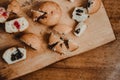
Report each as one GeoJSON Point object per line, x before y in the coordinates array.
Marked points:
{"type": "Point", "coordinates": [102, 63]}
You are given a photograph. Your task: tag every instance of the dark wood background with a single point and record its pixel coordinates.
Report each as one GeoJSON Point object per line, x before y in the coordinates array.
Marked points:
{"type": "Point", "coordinates": [102, 63]}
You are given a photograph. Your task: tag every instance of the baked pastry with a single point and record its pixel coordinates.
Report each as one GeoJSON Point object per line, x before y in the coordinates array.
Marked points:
{"type": "Point", "coordinates": [3, 15]}
{"type": "Point", "coordinates": [62, 28]}
{"type": "Point", "coordinates": [14, 54]}
{"type": "Point", "coordinates": [80, 29]}
{"type": "Point", "coordinates": [37, 15]}
{"type": "Point", "coordinates": [54, 39]}
{"type": "Point", "coordinates": [61, 45]}
{"type": "Point", "coordinates": [31, 40]}
{"type": "Point", "coordinates": [72, 0]}
{"type": "Point", "coordinates": [80, 14]}
{"type": "Point", "coordinates": [49, 13]}
{"type": "Point", "coordinates": [93, 6]}
{"type": "Point", "coordinates": [14, 7]}
{"type": "Point", "coordinates": [16, 25]}
{"type": "Point", "coordinates": [72, 46]}
{"type": "Point", "coordinates": [60, 48]}
{"type": "Point", "coordinates": [55, 43]}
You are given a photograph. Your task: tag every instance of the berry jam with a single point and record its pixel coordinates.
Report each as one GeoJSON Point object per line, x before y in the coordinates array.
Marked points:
{"type": "Point", "coordinates": [17, 25]}
{"type": "Point", "coordinates": [4, 14]}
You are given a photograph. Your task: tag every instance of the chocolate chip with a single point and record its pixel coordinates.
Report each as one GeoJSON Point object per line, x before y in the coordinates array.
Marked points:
{"type": "Point", "coordinates": [79, 11]}
{"type": "Point", "coordinates": [61, 38]}
{"type": "Point", "coordinates": [66, 43]}
{"type": "Point", "coordinates": [78, 14]}
{"type": "Point", "coordinates": [42, 16]}
{"type": "Point", "coordinates": [89, 3]}
{"type": "Point", "coordinates": [52, 45]}
{"type": "Point", "coordinates": [61, 45]}
{"type": "Point", "coordinates": [16, 56]}
{"type": "Point", "coordinates": [77, 31]}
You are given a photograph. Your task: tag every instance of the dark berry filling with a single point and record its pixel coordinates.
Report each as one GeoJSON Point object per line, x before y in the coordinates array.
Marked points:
{"type": "Point", "coordinates": [61, 45]}
{"type": "Point", "coordinates": [66, 43]}
{"type": "Point", "coordinates": [89, 4]}
{"type": "Point", "coordinates": [77, 31]}
{"type": "Point", "coordinates": [42, 17]}
{"type": "Point", "coordinates": [78, 14]}
{"type": "Point", "coordinates": [79, 11]}
{"type": "Point", "coordinates": [5, 14]}
{"type": "Point", "coordinates": [52, 45]}
{"type": "Point", "coordinates": [16, 56]}
{"type": "Point", "coordinates": [17, 25]}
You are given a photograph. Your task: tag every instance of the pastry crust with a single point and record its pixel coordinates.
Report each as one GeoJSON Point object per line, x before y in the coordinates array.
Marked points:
{"type": "Point", "coordinates": [52, 13]}
{"type": "Point", "coordinates": [36, 14]}
{"type": "Point", "coordinates": [93, 6]}
{"type": "Point", "coordinates": [62, 29]}
{"type": "Point", "coordinates": [31, 40]}
{"type": "Point", "coordinates": [61, 48]}
{"type": "Point", "coordinates": [61, 45]}
{"type": "Point", "coordinates": [71, 0]}
{"type": "Point", "coordinates": [14, 7]}
{"type": "Point", "coordinates": [54, 38]}
{"type": "Point", "coordinates": [72, 46]}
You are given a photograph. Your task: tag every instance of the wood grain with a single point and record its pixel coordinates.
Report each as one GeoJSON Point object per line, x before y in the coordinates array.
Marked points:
{"type": "Point", "coordinates": [85, 66]}
{"type": "Point", "coordinates": [99, 64]}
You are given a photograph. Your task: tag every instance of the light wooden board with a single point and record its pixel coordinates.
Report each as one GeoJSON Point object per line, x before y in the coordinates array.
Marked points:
{"type": "Point", "coordinates": [99, 32]}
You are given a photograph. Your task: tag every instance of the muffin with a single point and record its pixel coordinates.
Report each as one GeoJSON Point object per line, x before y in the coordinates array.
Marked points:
{"type": "Point", "coordinates": [31, 40]}
{"type": "Point", "coordinates": [14, 54]}
{"type": "Point", "coordinates": [93, 6]}
{"type": "Point", "coordinates": [49, 13]}
{"type": "Point", "coordinates": [16, 25]}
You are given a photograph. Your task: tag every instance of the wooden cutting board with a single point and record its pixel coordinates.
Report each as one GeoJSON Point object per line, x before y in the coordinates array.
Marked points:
{"type": "Point", "coordinates": [99, 32]}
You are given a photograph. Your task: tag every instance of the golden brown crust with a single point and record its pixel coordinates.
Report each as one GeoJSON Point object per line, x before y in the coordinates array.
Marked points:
{"type": "Point", "coordinates": [14, 7]}
{"type": "Point", "coordinates": [61, 48]}
{"type": "Point", "coordinates": [94, 6]}
{"type": "Point", "coordinates": [61, 45]}
{"type": "Point", "coordinates": [36, 14]}
{"type": "Point", "coordinates": [72, 46]}
{"type": "Point", "coordinates": [62, 28]}
{"type": "Point", "coordinates": [31, 40]}
{"type": "Point", "coordinates": [53, 13]}
{"type": "Point", "coordinates": [53, 39]}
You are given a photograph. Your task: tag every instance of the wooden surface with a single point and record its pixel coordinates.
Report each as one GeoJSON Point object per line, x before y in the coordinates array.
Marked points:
{"type": "Point", "coordinates": [85, 66]}
{"type": "Point", "coordinates": [102, 63]}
